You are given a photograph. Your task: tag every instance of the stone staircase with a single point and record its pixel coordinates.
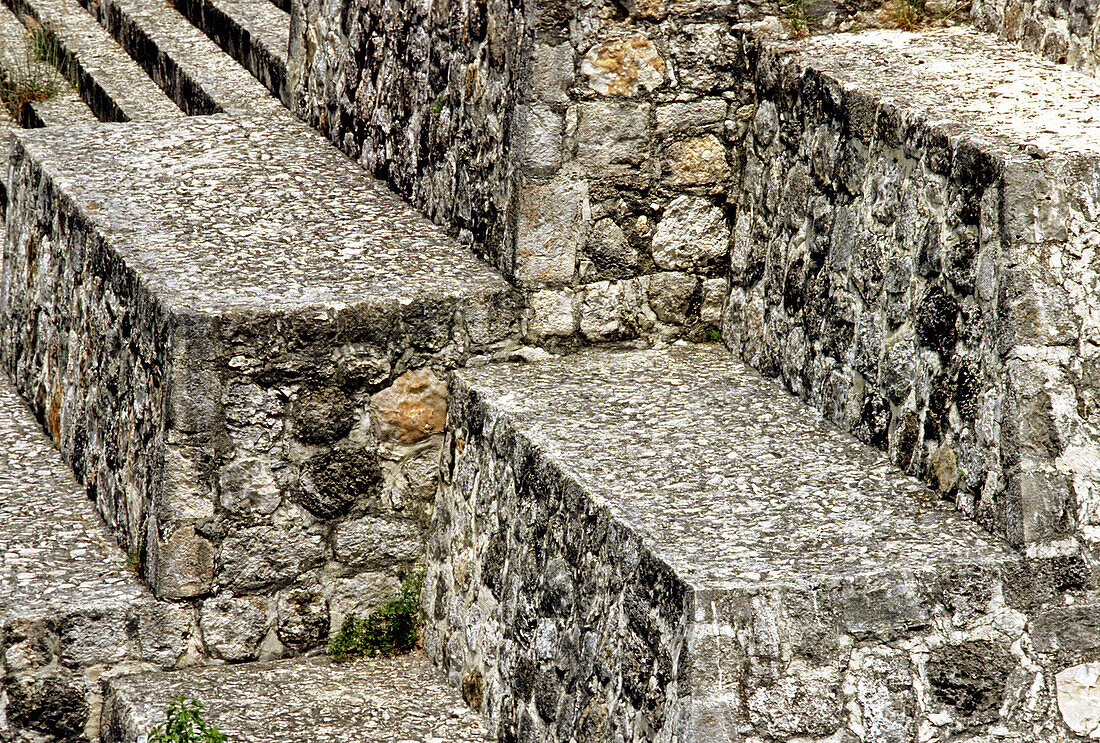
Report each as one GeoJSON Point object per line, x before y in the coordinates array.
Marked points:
{"type": "Point", "coordinates": [277, 381]}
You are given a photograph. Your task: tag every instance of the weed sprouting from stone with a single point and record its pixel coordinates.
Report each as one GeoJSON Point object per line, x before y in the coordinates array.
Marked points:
{"type": "Point", "coordinates": [797, 15]}
{"type": "Point", "coordinates": [29, 80]}
{"type": "Point", "coordinates": [184, 724]}
{"type": "Point", "coordinates": [391, 628]}
{"type": "Point", "coordinates": [906, 14]}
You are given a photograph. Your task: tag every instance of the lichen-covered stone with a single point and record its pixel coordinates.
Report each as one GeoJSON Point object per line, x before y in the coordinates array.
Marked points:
{"type": "Point", "coordinates": [620, 67]}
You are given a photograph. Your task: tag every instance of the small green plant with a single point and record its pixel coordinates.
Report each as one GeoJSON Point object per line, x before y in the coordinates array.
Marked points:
{"type": "Point", "coordinates": [907, 14]}
{"type": "Point", "coordinates": [797, 15]}
{"type": "Point", "coordinates": [184, 724]}
{"type": "Point", "coordinates": [30, 79]}
{"type": "Point", "coordinates": [391, 628]}
{"type": "Point", "coordinates": [437, 105]}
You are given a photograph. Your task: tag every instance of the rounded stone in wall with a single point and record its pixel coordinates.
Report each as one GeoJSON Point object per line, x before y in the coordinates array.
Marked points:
{"type": "Point", "coordinates": [1078, 689]}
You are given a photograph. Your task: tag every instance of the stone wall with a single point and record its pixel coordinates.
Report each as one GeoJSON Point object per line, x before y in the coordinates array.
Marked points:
{"type": "Point", "coordinates": [1064, 31]}
{"type": "Point", "coordinates": [583, 149]}
{"type": "Point", "coordinates": [279, 467]}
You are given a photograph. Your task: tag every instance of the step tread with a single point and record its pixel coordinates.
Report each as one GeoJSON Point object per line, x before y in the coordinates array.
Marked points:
{"type": "Point", "coordinates": [120, 77]}
{"type": "Point", "coordinates": [65, 106]}
{"type": "Point", "coordinates": [57, 555]}
{"type": "Point", "coordinates": [730, 479]}
{"type": "Point", "coordinates": [970, 82]}
{"type": "Point", "coordinates": [369, 701]}
{"type": "Point", "coordinates": [216, 214]}
{"type": "Point", "coordinates": [232, 88]}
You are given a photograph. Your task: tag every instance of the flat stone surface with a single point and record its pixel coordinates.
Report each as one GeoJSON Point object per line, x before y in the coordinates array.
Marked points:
{"type": "Point", "coordinates": [370, 701]}
{"type": "Point", "coordinates": [990, 88]}
{"type": "Point", "coordinates": [218, 214]}
{"type": "Point", "coordinates": [56, 555]}
{"type": "Point", "coordinates": [135, 95]}
{"type": "Point", "coordinates": [727, 477]}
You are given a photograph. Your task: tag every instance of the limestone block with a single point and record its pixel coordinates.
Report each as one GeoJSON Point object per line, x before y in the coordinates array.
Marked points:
{"type": "Point", "coordinates": [680, 116]}
{"type": "Point", "coordinates": [183, 564]}
{"type": "Point", "coordinates": [670, 294]}
{"type": "Point", "coordinates": [1078, 690]}
{"type": "Point", "coordinates": [714, 294]}
{"type": "Point", "coordinates": [233, 627]}
{"type": "Point", "coordinates": [612, 133]}
{"type": "Point", "coordinates": [606, 309]}
{"type": "Point", "coordinates": [372, 542]}
{"type": "Point", "coordinates": [542, 131]}
{"type": "Point", "coordinates": [552, 73]}
{"type": "Point", "coordinates": [552, 313]}
{"type": "Point", "coordinates": [693, 233]}
{"type": "Point", "coordinates": [166, 632]}
{"type": "Point", "coordinates": [303, 616]}
{"type": "Point", "coordinates": [412, 409]}
{"type": "Point", "coordinates": [261, 556]}
{"type": "Point", "coordinates": [610, 251]}
{"type": "Point", "coordinates": [697, 161]}
{"type": "Point", "coordinates": [620, 67]}
{"type": "Point", "coordinates": [552, 221]}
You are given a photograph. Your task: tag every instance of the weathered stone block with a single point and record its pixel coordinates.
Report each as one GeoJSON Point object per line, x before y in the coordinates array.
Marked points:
{"type": "Point", "coordinates": [726, 603]}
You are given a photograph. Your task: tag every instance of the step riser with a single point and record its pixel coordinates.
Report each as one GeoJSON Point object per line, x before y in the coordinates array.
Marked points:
{"type": "Point", "coordinates": [161, 68]}
{"type": "Point", "coordinates": [236, 41]}
{"type": "Point", "coordinates": [72, 68]}
{"type": "Point", "coordinates": [1065, 33]}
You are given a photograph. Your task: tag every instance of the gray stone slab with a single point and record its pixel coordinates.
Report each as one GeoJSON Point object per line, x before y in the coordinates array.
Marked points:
{"type": "Point", "coordinates": [114, 86]}
{"type": "Point", "coordinates": [216, 214]}
{"type": "Point", "coordinates": [727, 476]}
{"type": "Point", "coordinates": [993, 92]}
{"type": "Point", "coordinates": [199, 76]}
{"type": "Point", "coordinates": [65, 106]}
{"type": "Point", "coordinates": [665, 546]}
{"type": "Point", "coordinates": [372, 701]}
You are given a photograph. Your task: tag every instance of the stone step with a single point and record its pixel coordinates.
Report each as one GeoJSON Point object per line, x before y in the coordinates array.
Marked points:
{"type": "Point", "coordinates": [109, 81]}
{"type": "Point", "coordinates": [370, 701]}
{"type": "Point", "coordinates": [250, 339]}
{"type": "Point", "coordinates": [916, 256]}
{"type": "Point", "coordinates": [191, 68]}
{"type": "Point", "coordinates": [663, 545]}
{"type": "Point", "coordinates": [71, 609]}
{"type": "Point", "coordinates": [256, 33]}
{"type": "Point", "coordinates": [64, 105]}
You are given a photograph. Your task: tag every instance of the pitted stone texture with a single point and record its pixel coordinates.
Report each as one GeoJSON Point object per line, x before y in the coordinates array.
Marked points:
{"type": "Point", "coordinates": [69, 605]}
{"type": "Point", "coordinates": [773, 495]}
{"type": "Point", "coordinates": [113, 83]}
{"type": "Point", "coordinates": [376, 701]}
{"type": "Point", "coordinates": [233, 428]}
{"type": "Point", "coordinates": [201, 78]}
{"type": "Point", "coordinates": [966, 77]}
{"type": "Point", "coordinates": [1067, 33]}
{"type": "Point", "coordinates": [665, 546]}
